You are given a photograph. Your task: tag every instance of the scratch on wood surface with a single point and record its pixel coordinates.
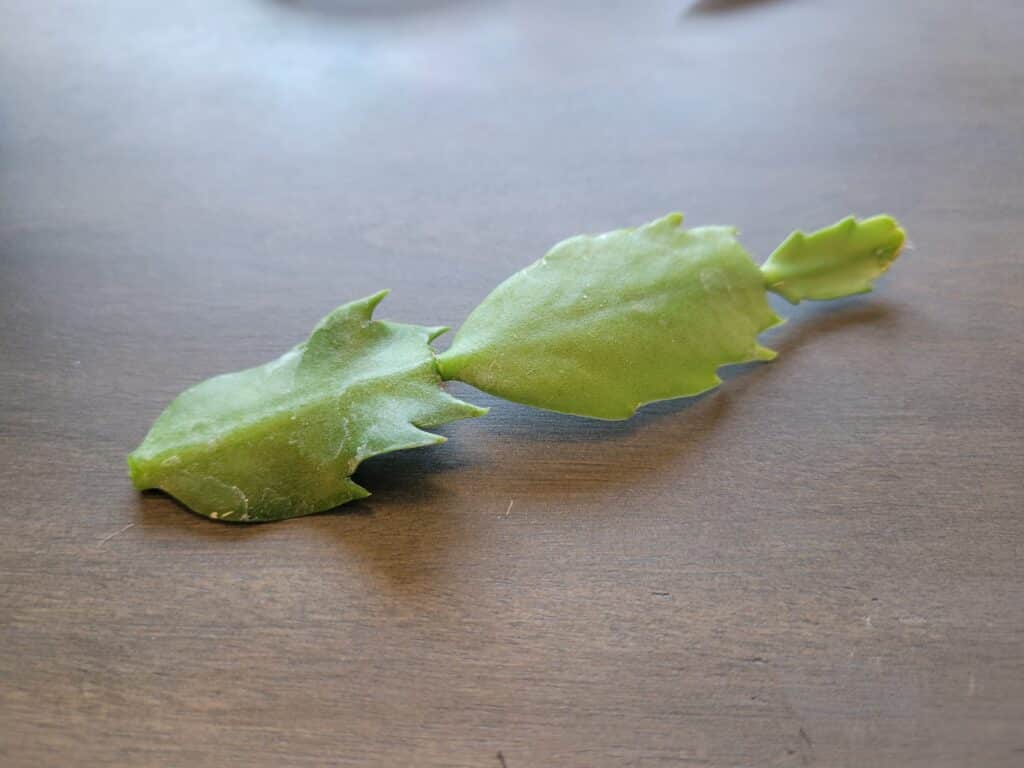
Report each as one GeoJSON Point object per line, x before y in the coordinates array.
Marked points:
{"type": "Point", "coordinates": [509, 509]}
{"type": "Point", "coordinates": [806, 748]}
{"type": "Point", "coordinates": [118, 532]}
{"type": "Point", "coordinates": [501, 757]}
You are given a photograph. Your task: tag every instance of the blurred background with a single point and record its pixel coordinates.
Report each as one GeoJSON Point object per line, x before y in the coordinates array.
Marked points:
{"type": "Point", "coordinates": [342, 137]}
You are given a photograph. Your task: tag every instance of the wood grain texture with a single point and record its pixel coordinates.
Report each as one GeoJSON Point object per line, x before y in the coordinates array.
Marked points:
{"type": "Point", "coordinates": [818, 564]}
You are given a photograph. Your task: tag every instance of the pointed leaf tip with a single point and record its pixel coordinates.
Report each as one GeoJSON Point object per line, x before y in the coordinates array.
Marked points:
{"type": "Point", "coordinates": [436, 331]}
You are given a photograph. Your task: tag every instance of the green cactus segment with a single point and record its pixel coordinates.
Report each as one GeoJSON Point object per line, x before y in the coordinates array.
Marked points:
{"type": "Point", "coordinates": [598, 327]}
{"type": "Point", "coordinates": [283, 439]}
{"type": "Point", "coordinates": [603, 324]}
{"type": "Point", "coordinates": [837, 261]}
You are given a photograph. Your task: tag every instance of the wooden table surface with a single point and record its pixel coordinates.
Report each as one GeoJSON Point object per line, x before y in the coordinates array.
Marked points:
{"type": "Point", "coordinates": [818, 564]}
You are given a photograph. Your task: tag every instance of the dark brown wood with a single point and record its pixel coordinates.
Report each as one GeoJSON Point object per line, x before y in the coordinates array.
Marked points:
{"type": "Point", "coordinates": [819, 564]}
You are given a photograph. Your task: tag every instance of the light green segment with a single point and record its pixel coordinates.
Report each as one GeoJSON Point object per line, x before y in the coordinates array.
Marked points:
{"type": "Point", "coordinates": [603, 324]}
{"type": "Point", "coordinates": [599, 326]}
{"type": "Point", "coordinates": [282, 439]}
{"type": "Point", "coordinates": [837, 261]}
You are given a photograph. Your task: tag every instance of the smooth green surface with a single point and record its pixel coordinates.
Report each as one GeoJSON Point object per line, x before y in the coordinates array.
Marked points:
{"type": "Point", "coordinates": [603, 324]}
{"type": "Point", "coordinates": [836, 261]}
{"type": "Point", "coordinates": [282, 439]}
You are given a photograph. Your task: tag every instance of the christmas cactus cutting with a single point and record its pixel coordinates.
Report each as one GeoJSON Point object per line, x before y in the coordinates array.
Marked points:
{"type": "Point", "coordinates": [598, 327]}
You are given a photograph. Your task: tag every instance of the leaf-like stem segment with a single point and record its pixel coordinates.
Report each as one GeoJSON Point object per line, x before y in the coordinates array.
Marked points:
{"type": "Point", "coordinates": [283, 439]}
{"type": "Point", "coordinates": [837, 261]}
{"type": "Point", "coordinates": [605, 323]}
{"type": "Point", "coordinates": [599, 326]}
